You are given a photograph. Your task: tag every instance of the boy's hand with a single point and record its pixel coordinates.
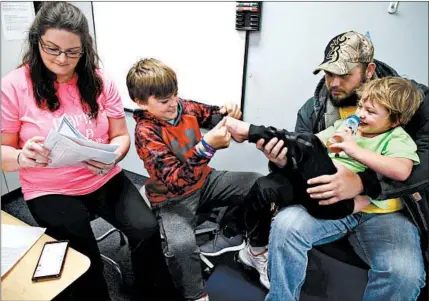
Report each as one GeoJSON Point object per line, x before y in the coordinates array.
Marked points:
{"type": "Point", "coordinates": [239, 129]}
{"type": "Point", "coordinates": [348, 144]}
{"type": "Point", "coordinates": [218, 137]}
{"type": "Point", "coordinates": [233, 110]}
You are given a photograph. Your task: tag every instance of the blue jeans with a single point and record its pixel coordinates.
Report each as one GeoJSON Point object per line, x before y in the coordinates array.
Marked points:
{"type": "Point", "coordinates": [388, 243]}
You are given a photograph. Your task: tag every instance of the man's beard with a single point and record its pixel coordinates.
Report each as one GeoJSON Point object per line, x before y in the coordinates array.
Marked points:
{"type": "Point", "coordinates": [350, 99]}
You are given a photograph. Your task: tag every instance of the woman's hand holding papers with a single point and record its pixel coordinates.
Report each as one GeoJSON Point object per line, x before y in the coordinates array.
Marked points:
{"type": "Point", "coordinates": [99, 168]}
{"type": "Point", "coordinates": [33, 154]}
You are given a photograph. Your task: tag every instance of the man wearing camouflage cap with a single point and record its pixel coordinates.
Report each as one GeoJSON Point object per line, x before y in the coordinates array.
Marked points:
{"type": "Point", "coordinates": [345, 52]}
{"type": "Point", "coordinates": [387, 240]}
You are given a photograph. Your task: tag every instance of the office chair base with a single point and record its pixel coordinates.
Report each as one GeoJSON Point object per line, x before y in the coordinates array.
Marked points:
{"type": "Point", "coordinates": [208, 265]}
{"type": "Point", "coordinates": [110, 261]}
{"type": "Point", "coordinates": [122, 241]}
{"type": "Point", "coordinates": [115, 265]}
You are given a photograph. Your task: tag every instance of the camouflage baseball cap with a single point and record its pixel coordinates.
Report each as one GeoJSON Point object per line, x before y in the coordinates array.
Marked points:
{"type": "Point", "coordinates": [345, 51]}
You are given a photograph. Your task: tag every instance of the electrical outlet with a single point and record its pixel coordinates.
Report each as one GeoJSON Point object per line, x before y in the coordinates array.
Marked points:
{"type": "Point", "coordinates": [393, 6]}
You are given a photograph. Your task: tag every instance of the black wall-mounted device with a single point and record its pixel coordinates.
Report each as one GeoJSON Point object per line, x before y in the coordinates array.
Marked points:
{"type": "Point", "coordinates": [248, 15]}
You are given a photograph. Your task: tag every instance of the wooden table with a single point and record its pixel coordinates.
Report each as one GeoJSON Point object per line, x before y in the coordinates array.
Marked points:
{"type": "Point", "coordinates": [17, 284]}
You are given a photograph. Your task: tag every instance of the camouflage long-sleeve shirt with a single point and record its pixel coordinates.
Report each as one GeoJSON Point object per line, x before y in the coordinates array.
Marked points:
{"type": "Point", "coordinates": [174, 166]}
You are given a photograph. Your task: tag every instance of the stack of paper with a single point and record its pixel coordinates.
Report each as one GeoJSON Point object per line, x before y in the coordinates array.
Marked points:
{"type": "Point", "coordinates": [15, 242]}
{"type": "Point", "coordinates": [69, 148]}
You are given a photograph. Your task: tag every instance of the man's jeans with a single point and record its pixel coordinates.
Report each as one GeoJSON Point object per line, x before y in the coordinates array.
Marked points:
{"type": "Point", "coordinates": [388, 243]}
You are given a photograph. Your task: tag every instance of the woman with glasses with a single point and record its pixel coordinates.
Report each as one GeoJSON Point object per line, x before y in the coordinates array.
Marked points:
{"type": "Point", "coordinates": [60, 76]}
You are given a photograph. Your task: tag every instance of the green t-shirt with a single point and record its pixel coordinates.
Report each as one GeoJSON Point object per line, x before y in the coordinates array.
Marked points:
{"type": "Point", "coordinates": [394, 143]}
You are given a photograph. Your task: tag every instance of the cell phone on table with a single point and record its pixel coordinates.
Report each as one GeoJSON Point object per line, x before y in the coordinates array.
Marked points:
{"type": "Point", "coordinates": [51, 261]}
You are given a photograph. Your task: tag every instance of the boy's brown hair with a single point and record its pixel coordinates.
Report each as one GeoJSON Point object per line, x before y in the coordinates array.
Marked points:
{"type": "Point", "coordinates": [399, 96]}
{"type": "Point", "coordinates": [151, 77]}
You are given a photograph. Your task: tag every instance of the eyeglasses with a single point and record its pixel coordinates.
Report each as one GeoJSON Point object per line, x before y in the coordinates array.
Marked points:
{"type": "Point", "coordinates": [57, 52]}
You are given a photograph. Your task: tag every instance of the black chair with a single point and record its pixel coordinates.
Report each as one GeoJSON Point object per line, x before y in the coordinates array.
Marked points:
{"type": "Point", "coordinates": [108, 260]}
{"type": "Point", "coordinates": [335, 273]}
{"type": "Point", "coordinates": [205, 230]}
{"type": "Point", "coordinates": [229, 282]}
{"type": "Point", "coordinates": [207, 224]}
{"type": "Point", "coordinates": [327, 279]}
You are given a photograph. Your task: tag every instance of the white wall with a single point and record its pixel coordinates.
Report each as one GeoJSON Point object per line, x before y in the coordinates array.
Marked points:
{"type": "Point", "coordinates": [86, 8]}
{"type": "Point", "coordinates": [293, 38]}
{"type": "Point", "coordinates": [11, 53]}
{"type": "Point", "coordinates": [11, 57]}
{"type": "Point", "coordinates": [197, 39]}
{"type": "Point", "coordinates": [291, 44]}
{"type": "Point", "coordinates": [4, 188]}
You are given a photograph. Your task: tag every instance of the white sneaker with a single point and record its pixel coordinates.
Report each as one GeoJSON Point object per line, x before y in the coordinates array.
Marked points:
{"type": "Point", "coordinates": [256, 261]}
{"type": "Point", "coordinates": [203, 298]}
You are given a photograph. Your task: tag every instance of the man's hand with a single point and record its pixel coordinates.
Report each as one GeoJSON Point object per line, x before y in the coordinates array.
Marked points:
{"type": "Point", "coordinates": [218, 137]}
{"type": "Point", "coordinates": [274, 150]}
{"type": "Point", "coordinates": [233, 110]}
{"type": "Point", "coordinates": [342, 185]}
{"type": "Point", "coordinates": [239, 129]}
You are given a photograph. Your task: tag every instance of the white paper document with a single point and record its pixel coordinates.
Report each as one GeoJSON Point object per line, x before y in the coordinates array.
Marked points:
{"type": "Point", "coordinates": [69, 148]}
{"type": "Point", "coordinates": [15, 242]}
{"type": "Point", "coordinates": [16, 19]}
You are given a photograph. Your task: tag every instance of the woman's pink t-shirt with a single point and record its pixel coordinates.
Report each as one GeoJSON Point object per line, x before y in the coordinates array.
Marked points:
{"type": "Point", "coordinates": [20, 115]}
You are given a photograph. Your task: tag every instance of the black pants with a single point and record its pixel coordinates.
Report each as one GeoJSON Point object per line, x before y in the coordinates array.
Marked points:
{"type": "Point", "coordinates": [253, 216]}
{"type": "Point", "coordinates": [120, 203]}
{"type": "Point", "coordinates": [307, 158]}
